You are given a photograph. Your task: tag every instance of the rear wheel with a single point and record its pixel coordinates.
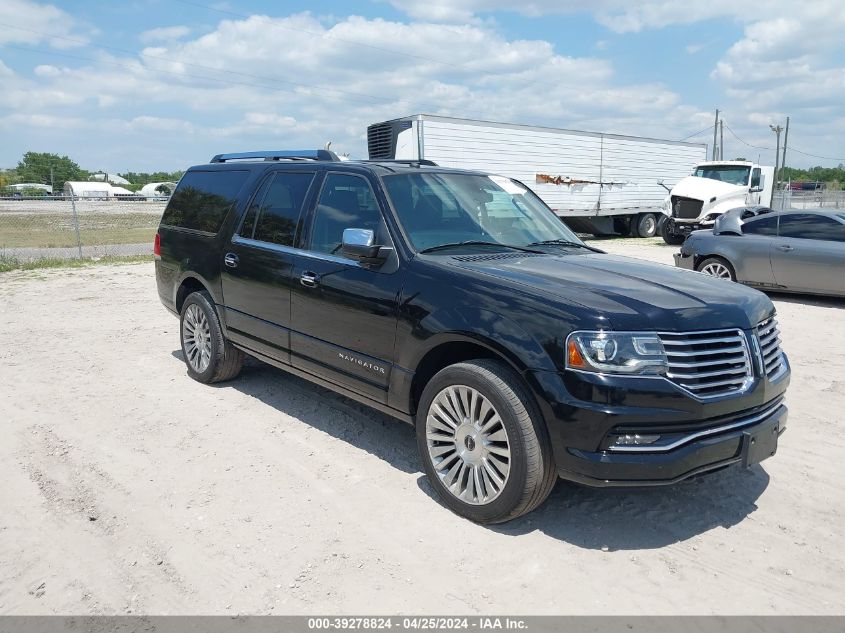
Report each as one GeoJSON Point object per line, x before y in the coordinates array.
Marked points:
{"type": "Point", "coordinates": [484, 448]}
{"type": "Point", "coordinates": [717, 267]}
{"type": "Point", "coordinates": [646, 225]}
{"type": "Point", "coordinates": [208, 355]}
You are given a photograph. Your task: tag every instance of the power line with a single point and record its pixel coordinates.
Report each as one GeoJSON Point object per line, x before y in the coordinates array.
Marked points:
{"type": "Point", "coordinates": [791, 149]}
{"type": "Point", "coordinates": [766, 149]}
{"type": "Point", "coordinates": [707, 129]}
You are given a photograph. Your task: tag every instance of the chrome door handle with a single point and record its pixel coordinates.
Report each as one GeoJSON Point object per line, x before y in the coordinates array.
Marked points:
{"type": "Point", "coordinates": [784, 247]}
{"type": "Point", "coordinates": [309, 279]}
{"type": "Point", "coordinates": [231, 260]}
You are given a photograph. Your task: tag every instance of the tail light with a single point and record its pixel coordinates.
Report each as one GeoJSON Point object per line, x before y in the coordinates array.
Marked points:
{"type": "Point", "coordinates": [157, 245]}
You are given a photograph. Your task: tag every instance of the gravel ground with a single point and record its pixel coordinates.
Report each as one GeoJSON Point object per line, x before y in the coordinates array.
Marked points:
{"type": "Point", "coordinates": [129, 488]}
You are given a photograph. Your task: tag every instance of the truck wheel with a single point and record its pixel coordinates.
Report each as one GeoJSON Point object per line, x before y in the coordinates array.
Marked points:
{"type": "Point", "coordinates": [669, 236]}
{"type": "Point", "coordinates": [717, 267]}
{"type": "Point", "coordinates": [208, 355]}
{"type": "Point", "coordinates": [484, 447]}
{"type": "Point", "coordinates": [646, 224]}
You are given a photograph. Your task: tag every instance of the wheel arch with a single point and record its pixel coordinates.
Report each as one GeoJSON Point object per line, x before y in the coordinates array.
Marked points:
{"type": "Point", "coordinates": [449, 349]}
{"type": "Point", "coordinates": [188, 284]}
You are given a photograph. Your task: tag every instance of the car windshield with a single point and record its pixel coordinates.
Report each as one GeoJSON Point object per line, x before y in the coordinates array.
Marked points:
{"type": "Point", "coordinates": [438, 209]}
{"type": "Point", "coordinates": [731, 174]}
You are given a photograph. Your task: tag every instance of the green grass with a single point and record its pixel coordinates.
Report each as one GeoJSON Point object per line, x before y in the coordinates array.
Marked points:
{"type": "Point", "coordinates": [8, 264]}
{"type": "Point", "coordinates": [48, 230]}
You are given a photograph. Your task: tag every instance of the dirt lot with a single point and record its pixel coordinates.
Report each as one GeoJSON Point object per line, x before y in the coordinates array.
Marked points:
{"type": "Point", "coordinates": [127, 487]}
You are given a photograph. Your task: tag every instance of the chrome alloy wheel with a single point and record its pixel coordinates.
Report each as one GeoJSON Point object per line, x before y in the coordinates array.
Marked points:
{"type": "Point", "coordinates": [715, 269]}
{"type": "Point", "coordinates": [196, 337]}
{"type": "Point", "coordinates": [468, 444]}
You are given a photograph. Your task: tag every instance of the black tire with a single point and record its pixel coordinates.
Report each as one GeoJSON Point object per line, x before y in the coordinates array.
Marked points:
{"type": "Point", "coordinates": [717, 262]}
{"type": "Point", "coordinates": [670, 237]}
{"type": "Point", "coordinates": [532, 474]}
{"type": "Point", "coordinates": [226, 360]}
{"type": "Point", "coordinates": [646, 225]}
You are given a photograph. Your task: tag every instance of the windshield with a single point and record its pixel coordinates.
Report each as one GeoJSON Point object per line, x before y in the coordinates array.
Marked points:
{"type": "Point", "coordinates": [437, 209]}
{"type": "Point", "coordinates": [731, 174]}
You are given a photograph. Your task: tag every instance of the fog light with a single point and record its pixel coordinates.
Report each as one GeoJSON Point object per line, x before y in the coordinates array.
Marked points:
{"type": "Point", "coordinates": [635, 440]}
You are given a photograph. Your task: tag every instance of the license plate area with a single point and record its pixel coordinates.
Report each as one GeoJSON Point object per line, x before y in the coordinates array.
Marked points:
{"type": "Point", "coordinates": [760, 443]}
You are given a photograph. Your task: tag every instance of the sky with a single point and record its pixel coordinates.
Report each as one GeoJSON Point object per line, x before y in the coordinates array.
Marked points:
{"type": "Point", "coordinates": [148, 85]}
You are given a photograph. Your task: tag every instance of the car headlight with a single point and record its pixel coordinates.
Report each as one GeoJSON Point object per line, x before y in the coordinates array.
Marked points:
{"type": "Point", "coordinates": [627, 353]}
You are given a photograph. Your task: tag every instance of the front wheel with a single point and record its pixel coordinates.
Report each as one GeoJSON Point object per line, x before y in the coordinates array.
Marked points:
{"type": "Point", "coordinates": [484, 448]}
{"type": "Point", "coordinates": [717, 267]}
{"type": "Point", "coordinates": [668, 234]}
{"type": "Point", "coordinates": [208, 355]}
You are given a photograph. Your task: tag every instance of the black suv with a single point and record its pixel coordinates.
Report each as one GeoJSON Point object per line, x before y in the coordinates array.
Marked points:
{"type": "Point", "coordinates": [458, 302]}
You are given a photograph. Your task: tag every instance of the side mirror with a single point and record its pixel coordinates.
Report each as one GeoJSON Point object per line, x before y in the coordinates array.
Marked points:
{"type": "Point", "coordinates": [756, 189]}
{"type": "Point", "coordinates": [360, 244]}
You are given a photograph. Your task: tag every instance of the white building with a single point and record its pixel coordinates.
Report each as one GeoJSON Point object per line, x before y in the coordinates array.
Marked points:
{"type": "Point", "coordinates": [80, 189]}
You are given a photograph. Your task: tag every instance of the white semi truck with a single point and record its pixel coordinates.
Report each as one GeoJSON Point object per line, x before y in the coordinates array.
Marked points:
{"type": "Point", "coordinates": [604, 184]}
{"type": "Point", "coordinates": [713, 188]}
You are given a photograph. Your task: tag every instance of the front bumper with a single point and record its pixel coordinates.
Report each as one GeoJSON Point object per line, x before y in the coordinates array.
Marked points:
{"type": "Point", "coordinates": [586, 414]}
{"type": "Point", "coordinates": [712, 451]}
{"type": "Point", "coordinates": [683, 260]}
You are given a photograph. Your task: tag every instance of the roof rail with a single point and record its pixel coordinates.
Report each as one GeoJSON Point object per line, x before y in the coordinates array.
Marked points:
{"type": "Point", "coordinates": [306, 154]}
{"type": "Point", "coordinates": [403, 161]}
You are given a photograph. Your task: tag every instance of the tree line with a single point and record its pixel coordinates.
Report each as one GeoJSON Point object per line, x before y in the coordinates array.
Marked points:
{"type": "Point", "coordinates": [54, 170]}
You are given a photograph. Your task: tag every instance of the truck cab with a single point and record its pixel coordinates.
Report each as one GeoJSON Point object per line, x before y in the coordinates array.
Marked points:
{"type": "Point", "coordinates": [713, 188]}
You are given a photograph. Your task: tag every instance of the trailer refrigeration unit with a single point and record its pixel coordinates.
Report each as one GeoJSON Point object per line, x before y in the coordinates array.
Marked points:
{"type": "Point", "coordinates": [599, 183]}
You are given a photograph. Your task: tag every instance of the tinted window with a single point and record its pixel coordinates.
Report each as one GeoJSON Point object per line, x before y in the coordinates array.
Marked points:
{"type": "Point", "coordinates": [203, 198]}
{"type": "Point", "coordinates": [761, 226]}
{"type": "Point", "coordinates": [346, 202]}
{"type": "Point", "coordinates": [280, 206]}
{"type": "Point", "coordinates": [811, 227]}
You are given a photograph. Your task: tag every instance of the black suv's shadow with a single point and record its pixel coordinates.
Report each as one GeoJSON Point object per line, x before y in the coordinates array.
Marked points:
{"type": "Point", "coordinates": [592, 518]}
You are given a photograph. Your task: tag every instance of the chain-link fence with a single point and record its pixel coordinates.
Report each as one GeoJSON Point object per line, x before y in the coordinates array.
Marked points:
{"type": "Point", "coordinates": [818, 199]}
{"type": "Point", "coordinates": [62, 227]}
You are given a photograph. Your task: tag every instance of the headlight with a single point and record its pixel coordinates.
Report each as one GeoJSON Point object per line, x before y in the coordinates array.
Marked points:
{"type": "Point", "coordinates": [629, 353]}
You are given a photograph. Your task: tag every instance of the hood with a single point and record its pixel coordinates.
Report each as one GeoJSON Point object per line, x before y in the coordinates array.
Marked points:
{"type": "Point", "coordinates": [632, 294]}
{"type": "Point", "coordinates": [703, 189]}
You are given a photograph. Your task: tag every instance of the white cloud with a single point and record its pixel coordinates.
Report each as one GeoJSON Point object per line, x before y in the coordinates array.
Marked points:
{"type": "Point", "coordinates": [334, 77]}
{"type": "Point", "coordinates": [164, 34]}
{"type": "Point", "coordinates": [5, 71]}
{"type": "Point", "coordinates": [36, 23]}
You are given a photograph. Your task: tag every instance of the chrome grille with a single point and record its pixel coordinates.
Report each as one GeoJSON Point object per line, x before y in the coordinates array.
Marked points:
{"type": "Point", "coordinates": [769, 336]}
{"type": "Point", "coordinates": [708, 364]}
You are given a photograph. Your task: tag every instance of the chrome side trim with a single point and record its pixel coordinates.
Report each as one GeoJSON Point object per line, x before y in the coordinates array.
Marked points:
{"type": "Point", "coordinates": [699, 434]}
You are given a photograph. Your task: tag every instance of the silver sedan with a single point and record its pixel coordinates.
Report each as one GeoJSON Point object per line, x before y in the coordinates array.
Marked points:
{"type": "Point", "coordinates": [789, 251]}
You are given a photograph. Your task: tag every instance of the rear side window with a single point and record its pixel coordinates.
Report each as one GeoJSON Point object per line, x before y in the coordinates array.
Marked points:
{"type": "Point", "coordinates": [279, 206]}
{"type": "Point", "coordinates": [761, 226]}
{"type": "Point", "coordinates": [202, 199]}
{"type": "Point", "coordinates": [812, 227]}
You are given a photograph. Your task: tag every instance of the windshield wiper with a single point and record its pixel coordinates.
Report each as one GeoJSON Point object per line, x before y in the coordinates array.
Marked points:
{"type": "Point", "coordinates": [562, 242]}
{"type": "Point", "coordinates": [478, 243]}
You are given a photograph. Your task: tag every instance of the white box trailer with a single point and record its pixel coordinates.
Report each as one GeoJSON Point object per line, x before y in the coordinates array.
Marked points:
{"type": "Point", "coordinates": [599, 183]}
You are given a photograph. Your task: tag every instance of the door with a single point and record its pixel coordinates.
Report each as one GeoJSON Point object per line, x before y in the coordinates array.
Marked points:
{"type": "Point", "coordinates": [258, 263]}
{"type": "Point", "coordinates": [809, 253]}
{"type": "Point", "coordinates": [751, 254]}
{"type": "Point", "coordinates": [755, 187]}
{"type": "Point", "coordinates": [343, 313]}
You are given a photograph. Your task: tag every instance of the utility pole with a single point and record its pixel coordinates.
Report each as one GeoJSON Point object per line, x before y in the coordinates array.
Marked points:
{"type": "Point", "coordinates": [715, 132]}
{"type": "Point", "coordinates": [785, 139]}
{"type": "Point", "coordinates": [52, 184]}
{"type": "Point", "coordinates": [721, 139]}
{"type": "Point", "coordinates": [777, 129]}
